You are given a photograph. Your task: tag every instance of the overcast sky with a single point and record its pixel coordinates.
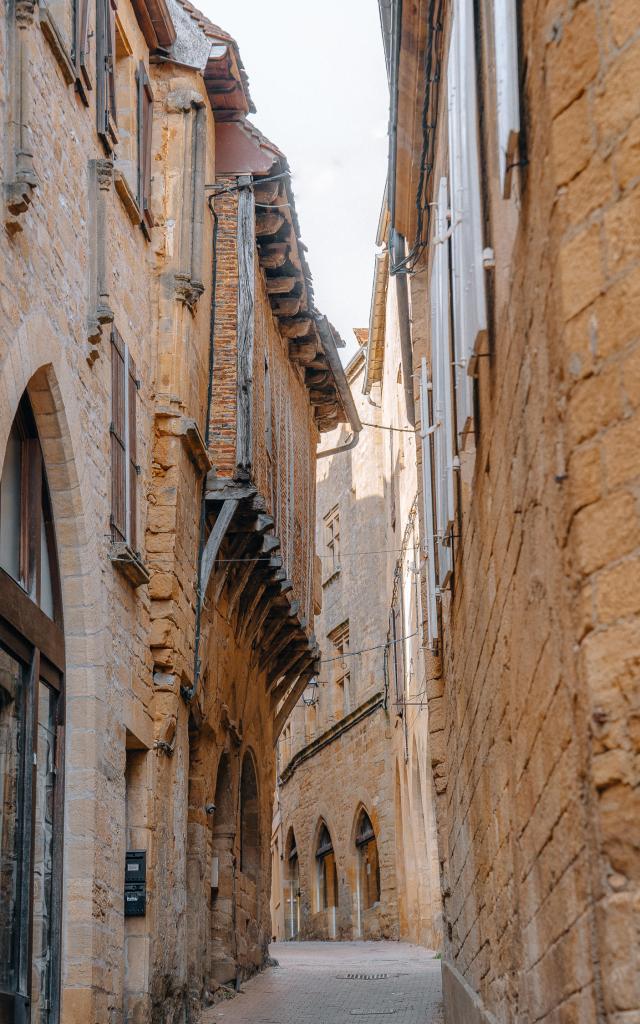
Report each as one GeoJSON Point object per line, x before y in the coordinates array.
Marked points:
{"type": "Point", "coordinates": [317, 77]}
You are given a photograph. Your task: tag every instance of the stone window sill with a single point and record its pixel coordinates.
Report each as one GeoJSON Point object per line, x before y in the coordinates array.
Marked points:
{"type": "Point", "coordinates": [129, 201]}
{"type": "Point", "coordinates": [334, 576]}
{"type": "Point", "coordinates": [129, 563]}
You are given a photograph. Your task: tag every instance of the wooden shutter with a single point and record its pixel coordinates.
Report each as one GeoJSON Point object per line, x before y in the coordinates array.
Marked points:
{"type": "Point", "coordinates": [427, 500]}
{"type": "Point", "coordinates": [132, 477]}
{"type": "Point", "coordinates": [105, 72]}
{"type": "Point", "coordinates": [469, 303]}
{"type": "Point", "coordinates": [442, 399]}
{"type": "Point", "coordinates": [145, 130]}
{"type": "Point", "coordinates": [118, 439]}
{"type": "Point", "coordinates": [83, 47]}
{"type": "Point", "coordinates": [507, 87]}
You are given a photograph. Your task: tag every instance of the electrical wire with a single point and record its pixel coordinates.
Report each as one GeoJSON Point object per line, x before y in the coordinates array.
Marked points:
{"type": "Point", "coordinates": [398, 430]}
{"type": "Point", "coordinates": [365, 650]}
{"type": "Point", "coordinates": [343, 554]}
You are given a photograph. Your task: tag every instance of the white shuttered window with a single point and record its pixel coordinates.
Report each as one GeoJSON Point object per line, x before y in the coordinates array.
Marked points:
{"type": "Point", "coordinates": [426, 429]}
{"type": "Point", "coordinates": [508, 99]}
{"type": "Point", "coordinates": [442, 398]}
{"type": "Point", "coordinates": [469, 303]}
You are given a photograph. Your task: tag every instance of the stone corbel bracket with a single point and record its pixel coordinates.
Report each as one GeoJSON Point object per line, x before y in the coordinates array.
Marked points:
{"type": "Point", "coordinates": [19, 189]}
{"type": "Point", "coordinates": [100, 311]}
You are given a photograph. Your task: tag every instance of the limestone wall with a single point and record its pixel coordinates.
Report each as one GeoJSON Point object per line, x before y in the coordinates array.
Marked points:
{"type": "Point", "coordinates": [533, 716]}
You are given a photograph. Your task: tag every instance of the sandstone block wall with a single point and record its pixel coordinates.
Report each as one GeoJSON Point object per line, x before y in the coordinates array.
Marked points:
{"type": "Point", "coordinates": [535, 706]}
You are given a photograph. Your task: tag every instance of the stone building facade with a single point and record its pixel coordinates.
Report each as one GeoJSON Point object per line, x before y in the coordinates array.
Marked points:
{"type": "Point", "coordinates": [514, 192]}
{"type": "Point", "coordinates": [164, 377]}
{"type": "Point", "coordinates": [354, 845]}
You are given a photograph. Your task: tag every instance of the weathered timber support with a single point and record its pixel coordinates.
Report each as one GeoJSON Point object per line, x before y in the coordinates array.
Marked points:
{"type": "Point", "coordinates": [214, 541]}
{"type": "Point", "coordinates": [291, 700]}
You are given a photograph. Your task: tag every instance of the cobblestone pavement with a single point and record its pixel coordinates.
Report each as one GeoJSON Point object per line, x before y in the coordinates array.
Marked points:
{"type": "Point", "coordinates": [339, 983]}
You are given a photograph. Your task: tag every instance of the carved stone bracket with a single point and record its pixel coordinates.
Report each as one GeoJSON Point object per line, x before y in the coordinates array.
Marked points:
{"type": "Point", "coordinates": [100, 311]}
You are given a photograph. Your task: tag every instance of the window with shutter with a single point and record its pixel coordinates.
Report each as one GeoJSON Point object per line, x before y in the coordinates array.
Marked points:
{"type": "Point", "coordinates": [469, 303]}
{"type": "Point", "coordinates": [508, 97]}
{"type": "Point", "coordinates": [118, 439]}
{"type": "Point", "coordinates": [105, 72]}
{"type": "Point", "coordinates": [145, 129]}
{"type": "Point", "coordinates": [124, 468]}
{"type": "Point", "coordinates": [132, 479]}
{"type": "Point", "coordinates": [82, 50]}
{"type": "Point", "coordinates": [442, 397]}
{"type": "Point", "coordinates": [426, 430]}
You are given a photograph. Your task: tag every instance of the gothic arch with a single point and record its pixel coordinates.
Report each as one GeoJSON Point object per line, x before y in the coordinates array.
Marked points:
{"type": "Point", "coordinates": [250, 851]}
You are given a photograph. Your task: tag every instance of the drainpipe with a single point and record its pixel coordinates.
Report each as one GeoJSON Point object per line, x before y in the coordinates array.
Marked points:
{"type": "Point", "coordinates": [189, 692]}
{"type": "Point", "coordinates": [394, 76]}
{"type": "Point", "coordinates": [331, 352]}
{"type": "Point", "coordinates": [398, 249]}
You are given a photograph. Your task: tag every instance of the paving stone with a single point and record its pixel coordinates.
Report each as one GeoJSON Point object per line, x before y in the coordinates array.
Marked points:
{"type": "Point", "coordinates": [339, 983]}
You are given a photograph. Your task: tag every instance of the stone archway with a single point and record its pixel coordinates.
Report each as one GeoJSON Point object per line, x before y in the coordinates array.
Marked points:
{"type": "Point", "coordinates": [223, 876]}
{"type": "Point", "coordinates": [291, 887]}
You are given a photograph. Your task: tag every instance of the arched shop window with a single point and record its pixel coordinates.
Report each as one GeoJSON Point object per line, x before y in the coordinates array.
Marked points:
{"type": "Point", "coordinates": [327, 872]}
{"type": "Point", "coordinates": [369, 865]}
{"type": "Point", "coordinates": [31, 734]}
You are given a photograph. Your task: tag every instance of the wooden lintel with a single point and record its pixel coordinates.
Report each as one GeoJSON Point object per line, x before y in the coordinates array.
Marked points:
{"type": "Point", "coordinates": [220, 488]}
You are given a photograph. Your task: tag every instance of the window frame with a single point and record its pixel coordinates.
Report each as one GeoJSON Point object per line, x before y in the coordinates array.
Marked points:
{"type": "Point", "coordinates": [332, 539]}
{"type": "Point", "coordinates": [123, 429]}
{"type": "Point", "coordinates": [467, 245]}
{"type": "Point", "coordinates": [144, 144]}
{"type": "Point", "coordinates": [507, 65]}
{"type": "Point", "coordinates": [36, 642]}
{"type": "Point", "coordinates": [106, 109]}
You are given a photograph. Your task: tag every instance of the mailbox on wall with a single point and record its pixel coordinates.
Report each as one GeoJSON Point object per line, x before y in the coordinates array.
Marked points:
{"type": "Point", "coordinates": [135, 883]}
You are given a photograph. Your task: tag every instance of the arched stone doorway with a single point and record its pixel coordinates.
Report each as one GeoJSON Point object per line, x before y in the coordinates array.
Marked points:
{"type": "Point", "coordinates": [291, 888]}
{"type": "Point", "coordinates": [32, 668]}
{"type": "Point", "coordinates": [223, 876]}
{"type": "Point", "coordinates": [368, 869]}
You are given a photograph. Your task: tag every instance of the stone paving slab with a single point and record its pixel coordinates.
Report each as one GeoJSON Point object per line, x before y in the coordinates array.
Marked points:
{"type": "Point", "coordinates": [339, 983]}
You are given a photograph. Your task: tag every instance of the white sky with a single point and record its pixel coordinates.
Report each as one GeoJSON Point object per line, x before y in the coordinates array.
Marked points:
{"type": "Point", "coordinates": [317, 77]}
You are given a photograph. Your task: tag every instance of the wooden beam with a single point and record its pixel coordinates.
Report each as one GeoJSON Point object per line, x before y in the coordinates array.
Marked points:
{"type": "Point", "coordinates": [303, 351]}
{"type": "Point", "coordinates": [266, 192]}
{"type": "Point", "coordinates": [274, 255]}
{"type": "Point", "coordinates": [297, 328]}
{"type": "Point", "coordinates": [285, 634]}
{"type": "Point", "coordinates": [246, 326]}
{"type": "Point", "coordinates": [280, 285]}
{"type": "Point", "coordinates": [214, 541]}
{"type": "Point", "coordinates": [293, 662]}
{"type": "Point", "coordinates": [286, 305]}
{"type": "Point", "coordinates": [290, 702]}
{"type": "Point", "coordinates": [268, 222]}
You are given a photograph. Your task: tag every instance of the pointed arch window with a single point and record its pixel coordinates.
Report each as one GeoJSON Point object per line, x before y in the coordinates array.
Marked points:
{"type": "Point", "coordinates": [369, 863]}
{"type": "Point", "coordinates": [327, 871]}
{"type": "Point", "coordinates": [31, 733]}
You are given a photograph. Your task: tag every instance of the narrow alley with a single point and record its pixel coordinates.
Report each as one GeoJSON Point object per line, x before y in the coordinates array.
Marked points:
{"type": "Point", "coordinates": [339, 983]}
{"type": "Point", "coordinates": [320, 512]}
